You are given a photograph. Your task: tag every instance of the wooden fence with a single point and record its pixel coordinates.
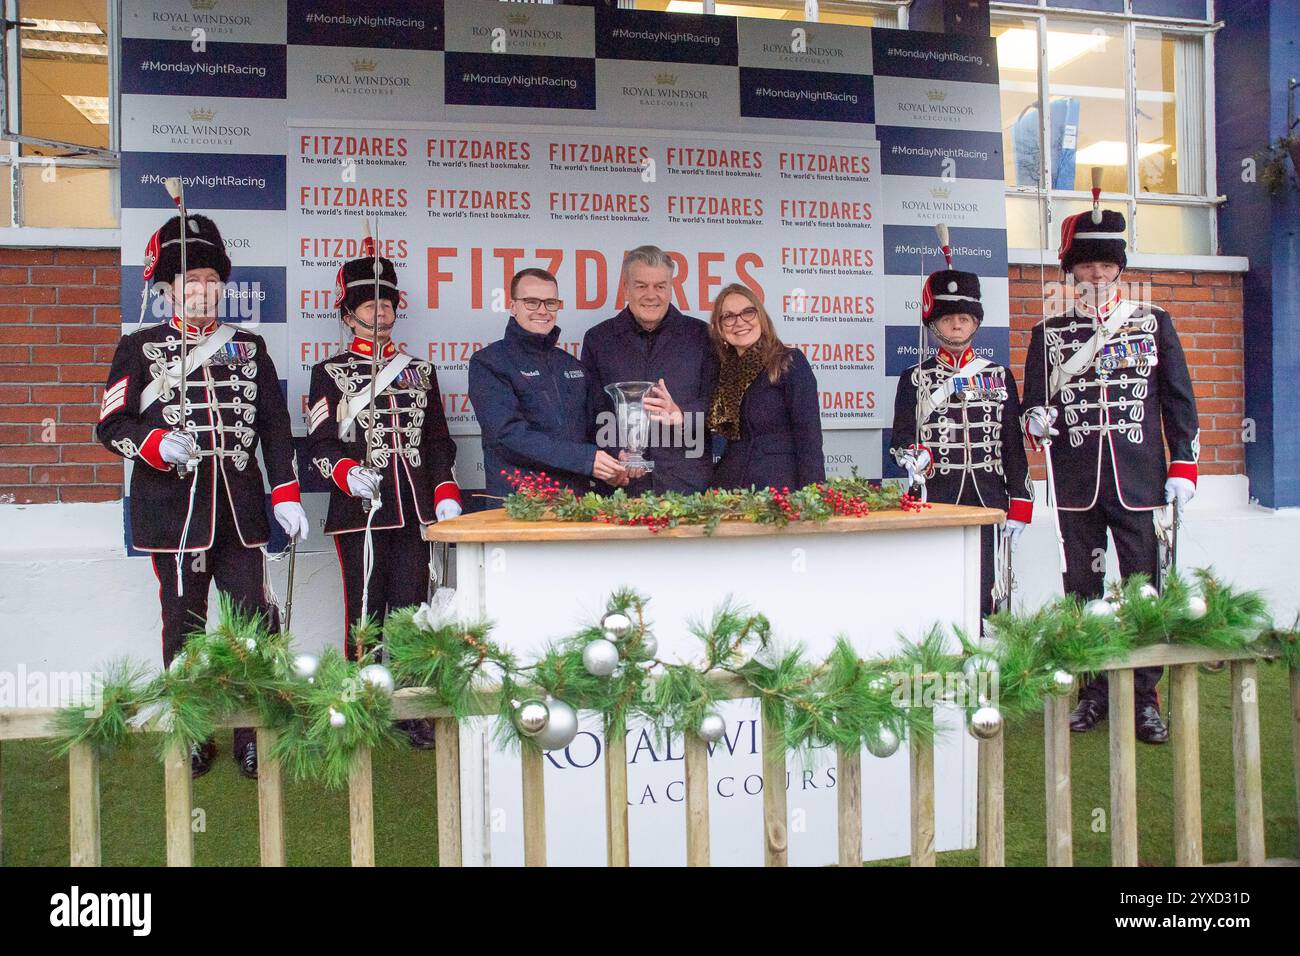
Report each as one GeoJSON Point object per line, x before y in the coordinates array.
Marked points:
{"type": "Point", "coordinates": [83, 778]}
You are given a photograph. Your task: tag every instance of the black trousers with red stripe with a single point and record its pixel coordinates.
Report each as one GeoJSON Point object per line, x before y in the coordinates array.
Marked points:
{"type": "Point", "coordinates": [237, 570]}
{"type": "Point", "coordinates": [400, 572]}
{"type": "Point", "coordinates": [1136, 547]}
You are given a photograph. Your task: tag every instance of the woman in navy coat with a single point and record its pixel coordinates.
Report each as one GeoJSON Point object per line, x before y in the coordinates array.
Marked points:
{"type": "Point", "coordinates": [765, 404]}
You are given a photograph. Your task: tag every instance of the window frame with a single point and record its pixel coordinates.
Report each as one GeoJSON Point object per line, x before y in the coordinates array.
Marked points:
{"type": "Point", "coordinates": [1208, 198]}
{"type": "Point", "coordinates": [14, 163]}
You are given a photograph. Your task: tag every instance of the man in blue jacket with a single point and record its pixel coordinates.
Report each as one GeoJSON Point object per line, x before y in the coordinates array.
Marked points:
{"type": "Point", "coordinates": [650, 341]}
{"type": "Point", "coordinates": [535, 403]}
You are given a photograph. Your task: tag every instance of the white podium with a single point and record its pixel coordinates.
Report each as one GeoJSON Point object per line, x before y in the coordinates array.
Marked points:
{"type": "Point", "coordinates": [871, 579]}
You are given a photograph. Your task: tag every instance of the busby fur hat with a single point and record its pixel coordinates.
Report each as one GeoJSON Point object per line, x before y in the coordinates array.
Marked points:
{"type": "Point", "coordinates": [948, 292]}
{"type": "Point", "coordinates": [204, 249]}
{"type": "Point", "coordinates": [1083, 240]}
{"type": "Point", "coordinates": [355, 282]}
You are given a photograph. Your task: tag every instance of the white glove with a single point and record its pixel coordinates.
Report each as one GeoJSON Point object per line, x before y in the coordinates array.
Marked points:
{"type": "Point", "coordinates": [1014, 529]}
{"type": "Point", "coordinates": [1180, 488]}
{"type": "Point", "coordinates": [447, 509]}
{"type": "Point", "coordinates": [292, 519]}
{"type": "Point", "coordinates": [177, 448]}
{"type": "Point", "coordinates": [916, 463]}
{"type": "Point", "coordinates": [363, 482]}
{"type": "Point", "coordinates": [1039, 420]}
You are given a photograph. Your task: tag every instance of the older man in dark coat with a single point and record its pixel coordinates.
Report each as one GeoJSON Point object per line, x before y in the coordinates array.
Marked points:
{"type": "Point", "coordinates": [651, 341]}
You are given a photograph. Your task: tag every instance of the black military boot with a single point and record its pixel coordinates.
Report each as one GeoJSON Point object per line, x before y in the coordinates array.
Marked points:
{"type": "Point", "coordinates": [201, 757]}
{"type": "Point", "coordinates": [1087, 715]}
{"type": "Point", "coordinates": [246, 758]}
{"type": "Point", "coordinates": [1150, 728]}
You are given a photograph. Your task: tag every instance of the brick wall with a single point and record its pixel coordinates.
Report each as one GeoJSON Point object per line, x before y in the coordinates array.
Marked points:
{"type": "Point", "coordinates": [59, 325]}
{"type": "Point", "coordinates": [60, 321]}
{"type": "Point", "coordinates": [1206, 309]}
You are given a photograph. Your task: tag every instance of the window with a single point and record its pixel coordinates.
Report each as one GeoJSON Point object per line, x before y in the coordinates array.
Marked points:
{"type": "Point", "coordinates": [860, 13]}
{"type": "Point", "coordinates": [1125, 93]}
{"type": "Point", "coordinates": [60, 168]}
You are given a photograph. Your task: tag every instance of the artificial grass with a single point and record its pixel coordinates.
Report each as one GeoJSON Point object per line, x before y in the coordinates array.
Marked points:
{"type": "Point", "coordinates": [35, 804]}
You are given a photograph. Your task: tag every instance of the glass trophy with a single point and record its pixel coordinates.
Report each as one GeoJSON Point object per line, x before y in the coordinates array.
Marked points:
{"type": "Point", "coordinates": [633, 421]}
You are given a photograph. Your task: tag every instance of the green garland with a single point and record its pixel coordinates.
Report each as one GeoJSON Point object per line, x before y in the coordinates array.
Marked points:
{"type": "Point", "coordinates": [538, 497]}
{"type": "Point", "coordinates": [323, 719]}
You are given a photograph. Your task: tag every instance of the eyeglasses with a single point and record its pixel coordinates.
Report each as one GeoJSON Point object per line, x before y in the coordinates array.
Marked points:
{"type": "Point", "coordinates": [731, 318]}
{"type": "Point", "coordinates": [533, 305]}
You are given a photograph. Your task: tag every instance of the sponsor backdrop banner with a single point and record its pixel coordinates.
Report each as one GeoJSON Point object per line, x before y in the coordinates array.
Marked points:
{"type": "Point", "coordinates": [808, 161]}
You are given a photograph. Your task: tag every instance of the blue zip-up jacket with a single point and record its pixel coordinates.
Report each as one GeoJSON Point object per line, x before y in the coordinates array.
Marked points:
{"type": "Point", "coordinates": [536, 408]}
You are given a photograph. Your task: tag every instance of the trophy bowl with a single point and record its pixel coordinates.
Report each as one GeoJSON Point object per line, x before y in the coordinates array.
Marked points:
{"type": "Point", "coordinates": [633, 421]}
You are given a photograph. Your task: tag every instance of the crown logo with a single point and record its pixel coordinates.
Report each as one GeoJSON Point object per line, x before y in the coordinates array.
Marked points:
{"type": "Point", "coordinates": [940, 192]}
{"type": "Point", "coordinates": [202, 4]}
{"type": "Point", "coordinates": [202, 115]}
{"type": "Point", "coordinates": [936, 96]}
{"type": "Point", "coordinates": [364, 66]}
{"type": "Point", "coordinates": [666, 79]}
{"type": "Point", "coordinates": [519, 19]}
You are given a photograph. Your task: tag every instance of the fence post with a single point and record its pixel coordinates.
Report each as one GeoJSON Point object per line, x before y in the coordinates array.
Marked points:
{"type": "Point", "coordinates": [1123, 770]}
{"type": "Point", "coordinates": [1245, 763]}
{"type": "Point", "coordinates": [534, 781]}
{"type": "Point", "coordinates": [1056, 777]}
{"type": "Point", "coordinates": [616, 846]}
{"type": "Point", "coordinates": [922, 800]}
{"type": "Point", "coordinates": [775, 836]}
{"type": "Point", "coordinates": [1185, 727]}
{"type": "Point", "coordinates": [696, 758]}
{"type": "Point", "coordinates": [270, 800]}
{"type": "Point", "coordinates": [361, 809]}
{"type": "Point", "coordinates": [991, 820]}
{"type": "Point", "coordinates": [848, 798]}
{"type": "Point", "coordinates": [178, 795]}
{"type": "Point", "coordinates": [446, 732]}
{"type": "Point", "coordinates": [83, 804]}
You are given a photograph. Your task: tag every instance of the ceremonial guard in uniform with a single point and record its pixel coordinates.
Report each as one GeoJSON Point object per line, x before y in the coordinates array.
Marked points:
{"type": "Point", "coordinates": [1110, 371]}
{"type": "Point", "coordinates": [197, 493]}
{"type": "Point", "coordinates": [967, 448]}
{"type": "Point", "coordinates": [388, 456]}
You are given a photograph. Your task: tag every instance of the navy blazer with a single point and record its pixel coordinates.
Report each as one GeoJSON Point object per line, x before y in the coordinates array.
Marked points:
{"type": "Point", "coordinates": [780, 443]}
{"type": "Point", "coordinates": [536, 408]}
{"type": "Point", "coordinates": [682, 355]}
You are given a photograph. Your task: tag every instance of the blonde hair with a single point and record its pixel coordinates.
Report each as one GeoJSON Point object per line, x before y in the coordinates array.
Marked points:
{"type": "Point", "coordinates": [776, 357]}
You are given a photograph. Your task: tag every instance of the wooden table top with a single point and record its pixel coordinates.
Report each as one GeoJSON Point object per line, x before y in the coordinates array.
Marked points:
{"type": "Point", "coordinates": [495, 525]}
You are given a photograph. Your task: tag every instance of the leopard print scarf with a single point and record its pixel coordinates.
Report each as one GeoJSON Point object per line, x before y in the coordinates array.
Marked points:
{"type": "Point", "coordinates": [737, 374]}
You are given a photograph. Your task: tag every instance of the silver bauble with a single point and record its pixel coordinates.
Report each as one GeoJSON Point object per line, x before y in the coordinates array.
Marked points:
{"type": "Point", "coordinates": [711, 728]}
{"type": "Point", "coordinates": [250, 643]}
{"type": "Point", "coordinates": [304, 666]}
{"type": "Point", "coordinates": [561, 726]}
{"type": "Point", "coordinates": [883, 743]}
{"type": "Point", "coordinates": [1196, 607]}
{"type": "Point", "coordinates": [337, 719]}
{"type": "Point", "coordinates": [531, 717]}
{"type": "Point", "coordinates": [1099, 607]}
{"type": "Point", "coordinates": [649, 645]}
{"type": "Point", "coordinates": [1149, 592]}
{"type": "Point", "coordinates": [986, 723]}
{"type": "Point", "coordinates": [1062, 682]}
{"type": "Point", "coordinates": [600, 657]}
{"type": "Point", "coordinates": [880, 685]}
{"type": "Point", "coordinates": [379, 676]}
{"type": "Point", "coordinates": [616, 626]}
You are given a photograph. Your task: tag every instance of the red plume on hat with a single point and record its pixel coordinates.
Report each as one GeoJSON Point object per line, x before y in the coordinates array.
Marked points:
{"type": "Point", "coordinates": [151, 251]}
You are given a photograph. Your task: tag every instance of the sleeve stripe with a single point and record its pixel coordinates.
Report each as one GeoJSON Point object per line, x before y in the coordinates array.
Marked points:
{"type": "Point", "coordinates": [114, 398]}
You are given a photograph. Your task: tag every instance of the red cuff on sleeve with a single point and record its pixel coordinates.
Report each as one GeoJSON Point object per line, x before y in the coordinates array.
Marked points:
{"type": "Point", "coordinates": [149, 451]}
{"type": "Point", "coordinates": [1183, 469]}
{"type": "Point", "coordinates": [1020, 509]}
{"type": "Point", "coordinates": [285, 492]}
{"type": "Point", "coordinates": [341, 473]}
{"type": "Point", "coordinates": [446, 491]}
